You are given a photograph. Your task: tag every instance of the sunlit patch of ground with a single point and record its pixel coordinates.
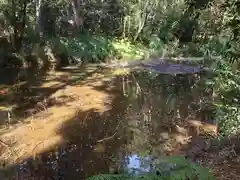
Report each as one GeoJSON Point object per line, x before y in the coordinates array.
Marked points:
{"type": "Point", "coordinates": [41, 132]}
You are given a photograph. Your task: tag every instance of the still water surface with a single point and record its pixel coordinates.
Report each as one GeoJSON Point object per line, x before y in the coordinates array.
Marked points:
{"type": "Point", "coordinates": [147, 120]}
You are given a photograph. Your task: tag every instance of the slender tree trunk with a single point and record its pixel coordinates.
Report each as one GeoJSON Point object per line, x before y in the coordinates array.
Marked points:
{"type": "Point", "coordinates": [38, 17]}
{"type": "Point", "coordinates": [14, 24]}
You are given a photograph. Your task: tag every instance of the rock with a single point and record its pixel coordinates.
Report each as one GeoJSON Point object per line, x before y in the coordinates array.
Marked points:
{"type": "Point", "coordinates": [164, 135]}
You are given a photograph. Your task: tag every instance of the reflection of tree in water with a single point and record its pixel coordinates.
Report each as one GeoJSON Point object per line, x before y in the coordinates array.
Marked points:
{"type": "Point", "coordinates": [159, 106]}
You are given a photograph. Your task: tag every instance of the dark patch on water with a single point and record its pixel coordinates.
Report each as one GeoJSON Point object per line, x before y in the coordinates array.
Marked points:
{"type": "Point", "coordinates": [173, 68]}
{"type": "Point", "coordinates": [161, 65]}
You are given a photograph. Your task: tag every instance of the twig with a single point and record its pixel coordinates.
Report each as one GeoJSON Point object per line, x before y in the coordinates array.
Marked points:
{"type": "Point", "coordinates": [112, 136]}
{"type": "Point", "coordinates": [42, 105]}
{"type": "Point", "coordinates": [108, 138]}
{"type": "Point", "coordinates": [99, 100]}
{"type": "Point", "coordinates": [85, 118]}
{"type": "Point", "coordinates": [9, 147]}
{"type": "Point", "coordinates": [4, 144]}
{"type": "Point", "coordinates": [123, 86]}
{"type": "Point", "coordinates": [34, 152]}
{"type": "Point", "coordinates": [138, 86]}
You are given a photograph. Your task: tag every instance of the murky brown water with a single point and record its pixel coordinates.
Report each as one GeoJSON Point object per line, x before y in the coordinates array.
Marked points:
{"type": "Point", "coordinates": [149, 118]}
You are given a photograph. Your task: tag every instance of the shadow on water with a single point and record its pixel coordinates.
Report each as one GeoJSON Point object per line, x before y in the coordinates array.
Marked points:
{"type": "Point", "coordinates": [151, 115]}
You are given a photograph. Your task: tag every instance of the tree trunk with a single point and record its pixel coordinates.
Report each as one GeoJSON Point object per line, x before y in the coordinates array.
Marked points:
{"type": "Point", "coordinates": [14, 24]}
{"type": "Point", "coordinates": [18, 25]}
{"type": "Point", "coordinates": [22, 25]}
{"type": "Point", "coordinates": [76, 6]}
{"type": "Point", "coordinates": [38, 17]}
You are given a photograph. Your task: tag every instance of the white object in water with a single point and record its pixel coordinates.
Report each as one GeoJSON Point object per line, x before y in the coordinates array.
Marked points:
{"type": "Point", "coordinates": [164, 135]}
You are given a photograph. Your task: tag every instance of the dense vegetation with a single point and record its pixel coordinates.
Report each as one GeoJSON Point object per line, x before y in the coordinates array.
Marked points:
{"type": "Point", "coordinates": [61, 32]}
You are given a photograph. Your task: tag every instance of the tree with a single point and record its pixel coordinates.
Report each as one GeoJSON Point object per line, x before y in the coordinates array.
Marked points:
{"type": "Point", "coordinates": [38, 17]}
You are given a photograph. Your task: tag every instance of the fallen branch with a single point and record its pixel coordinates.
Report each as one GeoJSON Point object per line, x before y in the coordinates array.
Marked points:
{"type": "Point", "coordinates": [118, 131]}
{"type": "Point", "coordinates": [108, 138]}
{"type": "Point", "coordinates": [34, 149]}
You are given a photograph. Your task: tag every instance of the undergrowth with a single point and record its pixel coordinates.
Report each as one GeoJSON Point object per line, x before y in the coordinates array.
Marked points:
{"type": "Point", "coordinates": [97, 49]}
{"type": "Point", "coordinates": [227, 87]}
{"type": "Point", "coordinates": [171, 168]}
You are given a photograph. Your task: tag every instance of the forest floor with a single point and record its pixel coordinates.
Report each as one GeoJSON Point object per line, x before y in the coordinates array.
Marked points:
{"type": "Point", "coordinates": [38, 130]}
{"type": "Point", "coordinates": [61, 103]}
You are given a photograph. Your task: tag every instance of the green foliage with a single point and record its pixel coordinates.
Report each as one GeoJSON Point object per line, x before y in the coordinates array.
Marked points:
{"type": "Point", "coordinates": [231, 21]}
{"type": "Point", "coordinates": [103, 16]}
{"type": "Point", "coordinates": [130, 51]}
{"type": "Point", "coordinates": [227, 87]}
{"type": "Point", "coordinates": [186, 169]}
{"type": "Point", "coordinates": [96, 49]}
{"type": "Point", "coordinates": [123, 177]}
{"type": "Point", "coordinates": [89, 48]}
{"type": "Point", "coordinates": [171, 168]}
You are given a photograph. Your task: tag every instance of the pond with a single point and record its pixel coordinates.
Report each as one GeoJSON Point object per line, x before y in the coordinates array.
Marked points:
{"type": "Point", "coordinates": [154, 115]}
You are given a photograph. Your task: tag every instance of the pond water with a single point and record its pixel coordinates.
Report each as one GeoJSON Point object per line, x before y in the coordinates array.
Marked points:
{"type": "Point", "coordinates": [149, 119]}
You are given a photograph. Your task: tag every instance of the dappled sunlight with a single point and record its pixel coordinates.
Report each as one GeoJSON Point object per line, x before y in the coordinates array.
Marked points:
{"type": "Point", "coordinates": [182, 140]}
{"type": "Point", "coordinates": [91, 126]}
{"type": "Point", "coordinates": [41, 130]}
{"type": "Point", "coordinates": [100, 117]}
{"type": "Point", "coordinates": [45, 130]}
{"type": "Point", "coordinates": [52, 84]}
{"type": "Point", "coordinates": [116, 87]}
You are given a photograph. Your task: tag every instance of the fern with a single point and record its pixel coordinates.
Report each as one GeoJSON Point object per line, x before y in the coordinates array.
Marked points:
{"type": "Point", "coordinates": [124, 177]}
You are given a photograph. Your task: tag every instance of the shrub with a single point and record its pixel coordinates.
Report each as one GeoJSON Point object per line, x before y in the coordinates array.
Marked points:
{"type": "Point", "coordinates": [172, 168]}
